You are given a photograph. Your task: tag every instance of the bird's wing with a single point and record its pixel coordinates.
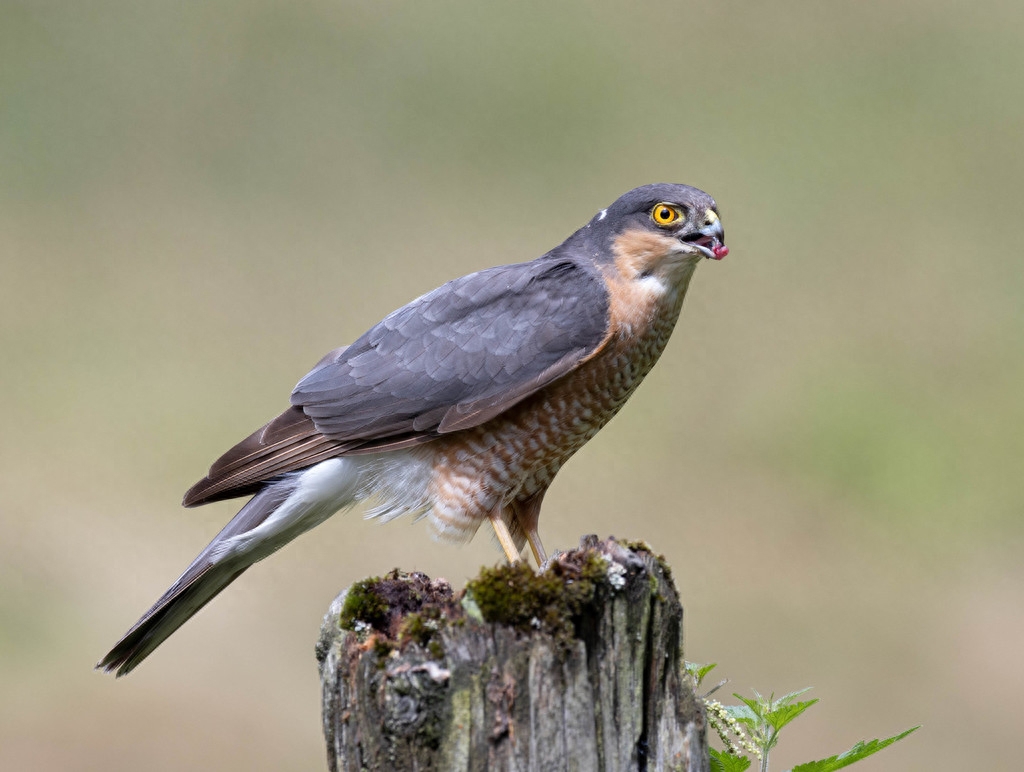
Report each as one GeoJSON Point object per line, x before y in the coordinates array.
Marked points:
{"type": "Point", "coordinates": [450, 360]}
{"type": "Point", "coordinates": [461, 354]}
{"type": "Point", "coordinates": [287, 443]}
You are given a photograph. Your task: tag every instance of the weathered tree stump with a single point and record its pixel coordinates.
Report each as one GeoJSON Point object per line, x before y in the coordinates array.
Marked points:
{"type": "Point", "coordinates": [578, 668]}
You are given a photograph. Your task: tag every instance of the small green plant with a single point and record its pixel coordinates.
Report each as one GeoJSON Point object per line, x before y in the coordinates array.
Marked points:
{"type": "Point", "coordinates": [755, 725]}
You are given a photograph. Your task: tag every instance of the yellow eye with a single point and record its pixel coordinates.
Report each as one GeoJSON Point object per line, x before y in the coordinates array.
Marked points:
{"type": "Point", "coordinates": [666, 214]}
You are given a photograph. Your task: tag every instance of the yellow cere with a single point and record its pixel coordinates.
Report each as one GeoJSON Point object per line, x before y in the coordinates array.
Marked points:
{"type": "Point", "coordinates": [710, 217]}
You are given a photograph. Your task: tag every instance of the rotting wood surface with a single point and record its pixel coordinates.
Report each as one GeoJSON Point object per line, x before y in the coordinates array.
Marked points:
{"type": "Point", "coordinates": [578, 668]}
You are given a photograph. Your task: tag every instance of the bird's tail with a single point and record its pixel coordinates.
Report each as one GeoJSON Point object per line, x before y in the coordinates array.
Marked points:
{"type": "Point", "coordinates": [269, 520]}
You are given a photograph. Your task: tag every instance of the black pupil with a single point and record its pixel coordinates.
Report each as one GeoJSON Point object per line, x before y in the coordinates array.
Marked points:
{"type": "Point", "coordinates": [665, 213]}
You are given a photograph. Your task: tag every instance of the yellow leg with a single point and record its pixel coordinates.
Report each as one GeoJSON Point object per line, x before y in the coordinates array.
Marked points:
{"type": "Point", "coordinates": [504, 536]}
{"type": "Point", "coordinates": [528, 515]}
{"type": "Point", "coordinates": [538, 549]}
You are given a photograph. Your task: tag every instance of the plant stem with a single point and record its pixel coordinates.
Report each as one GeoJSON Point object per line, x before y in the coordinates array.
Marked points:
{"type": "Point", "coordinates": [768, 743]}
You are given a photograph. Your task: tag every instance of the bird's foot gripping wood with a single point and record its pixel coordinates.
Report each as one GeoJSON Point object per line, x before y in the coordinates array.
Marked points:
{"type": "Point", "coordinates": [577, 667]}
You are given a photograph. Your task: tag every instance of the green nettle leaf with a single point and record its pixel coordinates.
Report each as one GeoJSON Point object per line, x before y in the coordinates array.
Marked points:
{"type": "Point", "coordinates": [726, 762]}
{"type": "Point", "coordinates": [755, 706]}
{"type": "Point", "coordinates": [783, 714]}
{"type": "Point", "coordinates": [762, 719]}
{"type": "Point", "coordinates": [788, 698]}
{"type": "Point", "coordinates": [859, 751]}
{"type": "Point", "coordinates": [699, 671]}
{"type": "Point", "coordinates": [742, 713]}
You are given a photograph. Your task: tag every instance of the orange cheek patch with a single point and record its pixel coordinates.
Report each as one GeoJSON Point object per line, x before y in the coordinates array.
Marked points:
{"type": "Point", "coordinates": [637, 251]}
{"type": "Point", "coordinates": [633, 304]}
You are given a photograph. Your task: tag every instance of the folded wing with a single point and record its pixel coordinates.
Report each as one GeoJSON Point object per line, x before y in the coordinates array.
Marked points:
{"type": "Point", "coordinates": [450, 360]}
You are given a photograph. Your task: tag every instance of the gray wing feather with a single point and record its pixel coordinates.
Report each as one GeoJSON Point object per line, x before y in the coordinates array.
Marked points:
{"type": "Point", "coordinates": [449, 360]}
{"type": "Point", "coordinates": [461, 354]}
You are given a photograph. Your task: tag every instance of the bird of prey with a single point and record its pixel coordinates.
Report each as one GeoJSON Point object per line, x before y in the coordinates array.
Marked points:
{"type": "Point", "coordinates": [461, 406]}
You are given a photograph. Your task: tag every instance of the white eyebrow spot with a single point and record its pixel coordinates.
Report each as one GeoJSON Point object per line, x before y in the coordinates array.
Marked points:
{"type": "Point", "coordinates": [604, 213]}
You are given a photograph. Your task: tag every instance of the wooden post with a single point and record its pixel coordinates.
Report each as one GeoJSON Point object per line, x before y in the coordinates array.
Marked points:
{"type": "Point", "coordinates": [578, 668]}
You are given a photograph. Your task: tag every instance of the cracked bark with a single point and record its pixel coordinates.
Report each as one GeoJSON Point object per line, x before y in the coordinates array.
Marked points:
{"type": "Point", "coordinates": [606, 692]}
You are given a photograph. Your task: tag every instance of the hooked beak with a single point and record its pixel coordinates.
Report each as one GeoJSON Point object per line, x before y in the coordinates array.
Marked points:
{"type": "Point", "coordinates": [709, 239]}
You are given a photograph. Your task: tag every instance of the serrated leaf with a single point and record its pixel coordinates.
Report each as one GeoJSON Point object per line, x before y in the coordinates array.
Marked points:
{"type": "Point", "coordinates": [787, 698]}
{"type": "Point", "coordinates": [859, 751]}
{"type": "Point", "coordinates": [726, 762]}
{"type": "Point", "coordinates": [756, 706]}
{"type": "Point", "coordinates": [699, 671]}
{"type": "Point", "coordinates": [783, 714]}
{"type": "Point", "coordinates": [742, 713]}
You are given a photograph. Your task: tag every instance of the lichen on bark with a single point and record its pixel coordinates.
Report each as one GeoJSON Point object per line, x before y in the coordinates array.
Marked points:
{"type": "Point", "coordinates": [577, 668]}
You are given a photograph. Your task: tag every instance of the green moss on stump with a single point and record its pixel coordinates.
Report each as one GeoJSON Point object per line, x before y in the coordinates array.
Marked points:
{"type": "Point", "coordinates": [364, 604]}
{"type": "Point", "coordinates": [400, 609]}
{"type": "Point", "coordinates": [517, 597]}
{"type": "Point", "coordinates": [421, 628]}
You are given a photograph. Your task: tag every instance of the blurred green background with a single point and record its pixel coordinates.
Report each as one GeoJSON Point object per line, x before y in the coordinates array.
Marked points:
{"type": "Point", "coordinates": [197, 200]}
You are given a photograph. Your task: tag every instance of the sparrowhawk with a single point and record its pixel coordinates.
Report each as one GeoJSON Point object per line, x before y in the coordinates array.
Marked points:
{"type": "Point", "coordinates": [461, 406]}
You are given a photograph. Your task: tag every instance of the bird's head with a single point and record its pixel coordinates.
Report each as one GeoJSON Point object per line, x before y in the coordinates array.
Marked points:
{"type": "Point", "coordinates": [655, 227]}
